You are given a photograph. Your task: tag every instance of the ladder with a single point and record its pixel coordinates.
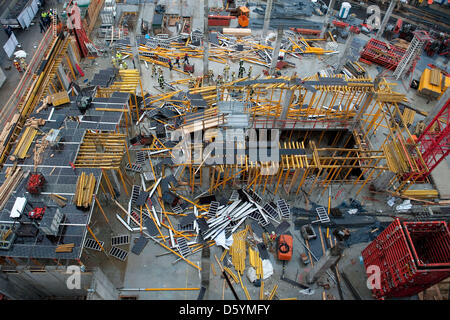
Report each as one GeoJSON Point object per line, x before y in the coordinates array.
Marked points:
{"type": "Point", "coordinates": [137, 217]}
{"type": "Point", "coordinates": [284, 209]}
{"type": "Point", "coordinates": [255, 197]}
{"type": "Point", "coordinates": [120, 240]}
{"type": "Point", "coordinates": [134, 167]}
{"type": "Point", "coordinates": [234, 196]}
{"type": "Point", "coordinates": [187, 228]}
{"type": "Point", "coordinates": [271, 212]}
{"type": "Point", "coordinates": [177, 209]}
{"type": "Point", "coordinates": [92, 244]}
{"type": "Point", "coordinates": [54, 22]}
{"type": "Point", "coordinates": [140, 157]}
{"type": "Point", "coordinates": [412, 53]}
{"type": "Point", "coordinates": [213, 207]}
{"type": "Point", "coordinates": [322, 214]}
{"type": "Point", "coordinates": [135, 191]}
{"type": "Point", "coordinates": [118, 253]}
{"type": "Point", "coordinates": [183, 248]}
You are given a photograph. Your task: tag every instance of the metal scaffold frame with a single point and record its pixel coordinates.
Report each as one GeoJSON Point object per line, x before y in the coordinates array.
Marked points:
{"type": "Point", "coordinates": [300, 108]}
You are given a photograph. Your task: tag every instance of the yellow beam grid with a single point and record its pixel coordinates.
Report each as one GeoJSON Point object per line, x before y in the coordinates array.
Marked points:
{"type": "Point", "coordinates": [129, 80]}
{"type": "Point", "coordinates": [357, 106]}
{"type": "Point", "coordinates": [101, 150]}
{"type": "Point", "coordinates": [238, 251]}
{"type": "Point", "coordinates": [160, 55]}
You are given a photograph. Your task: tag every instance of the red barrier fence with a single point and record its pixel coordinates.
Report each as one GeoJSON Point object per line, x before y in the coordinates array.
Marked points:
{"type": "Point", "coordinates": [412, 256]}
{"type": "Point", "coordinates": [381, 53]}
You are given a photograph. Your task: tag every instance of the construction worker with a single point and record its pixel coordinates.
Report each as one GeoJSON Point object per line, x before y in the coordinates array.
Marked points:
{"type": "Point", "coordinates": [241, 69]}
{"type": "Point", "coordinates": [191, 83]}
{"type": "Point", "coordinates": [177, 61]}
{"type": "Point", "coordinates": [219, 80]}
{"type": "Point", "coordinates": [153, 69]}
{"type": "Point", "coordinates": [272, 236]}
{"type": "Point", "coordinates": [23, 64]}
{"type": "Point", "coordinates": [250, 69]}
{"type": "Point", "coordinates": [170, 65]}
{"type": "Point", "coordinates": [161, 81]}
{"type": "Point", "coordinates": [44, 16]}
{"type": "Point", "coordinates": [226, 72]}
{"type": "Point", "coordinates": [233, 76]}
{"type": "Point", "coordinates": [8, 31]}
{"type": "Point", "coordinates": [41, 26]}
{"type": "Point", "coordinates": [186, 58]}
{"type": "Point", "coordinates": [210, 76]}
{"type": "Point", "coordinates": [47, 19]}
{"type": "Point", "coordinates": [160, 72]}
{"type": "Point", "coordinates": [114, 62]}
{"type": "Point", "coordinates": [17, 65]}
{"type": "Point", "coordinates": [252, 92]}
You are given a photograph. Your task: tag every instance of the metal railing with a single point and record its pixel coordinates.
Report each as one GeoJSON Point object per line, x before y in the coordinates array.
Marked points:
{"type": "Point", "coordinates": [14, 102]}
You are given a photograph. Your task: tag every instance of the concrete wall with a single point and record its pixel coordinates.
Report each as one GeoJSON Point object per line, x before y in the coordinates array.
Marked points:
{"type": "Point", "coordinates": [101, 288]}
{"type": "Point", "coordinates": [48, 283]}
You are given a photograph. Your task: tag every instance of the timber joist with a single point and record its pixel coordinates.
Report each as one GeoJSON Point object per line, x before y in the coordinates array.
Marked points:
{"type": "Point", "coordinates": [24, 143]}
{"type": "Point", "coordinates": [84, 190]}
{"type": "Point", "coordinates": [101, 150]}
{"type": "Point", "coordinates": [392, 97]}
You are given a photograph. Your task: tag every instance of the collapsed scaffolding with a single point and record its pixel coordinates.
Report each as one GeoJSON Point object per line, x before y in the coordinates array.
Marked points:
{"type": "Point", "coordinates": [355, 108]}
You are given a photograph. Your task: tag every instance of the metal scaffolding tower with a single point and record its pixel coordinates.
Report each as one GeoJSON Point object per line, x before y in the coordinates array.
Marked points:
{"type": "Point", "coordinates": [412, 53]}
{"type": "Point", "coordinates": [434, 142]}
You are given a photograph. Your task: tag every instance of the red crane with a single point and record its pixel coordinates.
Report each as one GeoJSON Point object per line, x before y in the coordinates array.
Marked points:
{"type": "Point", "coordinates": [433, 143]}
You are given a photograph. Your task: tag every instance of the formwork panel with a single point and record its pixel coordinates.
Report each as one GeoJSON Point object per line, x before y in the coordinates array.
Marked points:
{"type": "Point", "coordinates": [412, 256]}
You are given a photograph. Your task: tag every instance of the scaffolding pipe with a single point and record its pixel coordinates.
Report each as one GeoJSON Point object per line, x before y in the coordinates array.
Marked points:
{"type": "Point", "coordinates": [267, 18]}
{"type": "Point", "coordinates": [206, 39]}
{"type": "Point", "coordinates": [386, 19]}
{"type": "Point", "coordinates": [276, 51]}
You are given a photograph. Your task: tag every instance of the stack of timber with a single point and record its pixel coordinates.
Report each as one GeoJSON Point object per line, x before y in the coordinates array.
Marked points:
{"type": "Point", "coordinates": [255, 261]}
{"type": "Point", "coordinates": [421, 194]}
{"type": "Point", "coordinates": [439, 291]}
{"type": "Point", "coordinates": [84, 191]}
{"type": "Point", "coordinates": [65, 247]}
{"type": "Point", "coordinates": [59, 98]}
{"type": "Point", "coordinates": [91, 15]}
{"type": "Point", "coordinates": [60, 200]}
{"type": "Point", "coordinates": [6, 130]}
{"type": "Point", "coordinates": [238, 252]}
{"type": "Point", "coordinates": [12, 180]}
{"type": "Point", "coordinates": [24, 143]}
{"type": "Point", "coordinates": [101, 150]}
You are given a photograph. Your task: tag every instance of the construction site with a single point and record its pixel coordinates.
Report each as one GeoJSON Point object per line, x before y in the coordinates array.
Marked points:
{"type": "Point", "coordinates": [229, 150]}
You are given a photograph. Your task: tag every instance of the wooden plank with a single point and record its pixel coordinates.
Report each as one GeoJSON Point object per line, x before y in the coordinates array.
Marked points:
{"type": "Point", "coordinates": [239, 32]}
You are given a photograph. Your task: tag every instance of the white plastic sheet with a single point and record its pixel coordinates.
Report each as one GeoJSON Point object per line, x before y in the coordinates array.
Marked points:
{"type": "Point", "coordinates": [267, 268]}
{"type": "Point", "coordinates": [222, 241]}
{"type": "Point", "coordinates": [404, 207]}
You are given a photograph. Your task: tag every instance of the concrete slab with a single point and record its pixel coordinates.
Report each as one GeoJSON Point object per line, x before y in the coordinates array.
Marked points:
{"type": "Point", "coordinates": [149, 271]}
